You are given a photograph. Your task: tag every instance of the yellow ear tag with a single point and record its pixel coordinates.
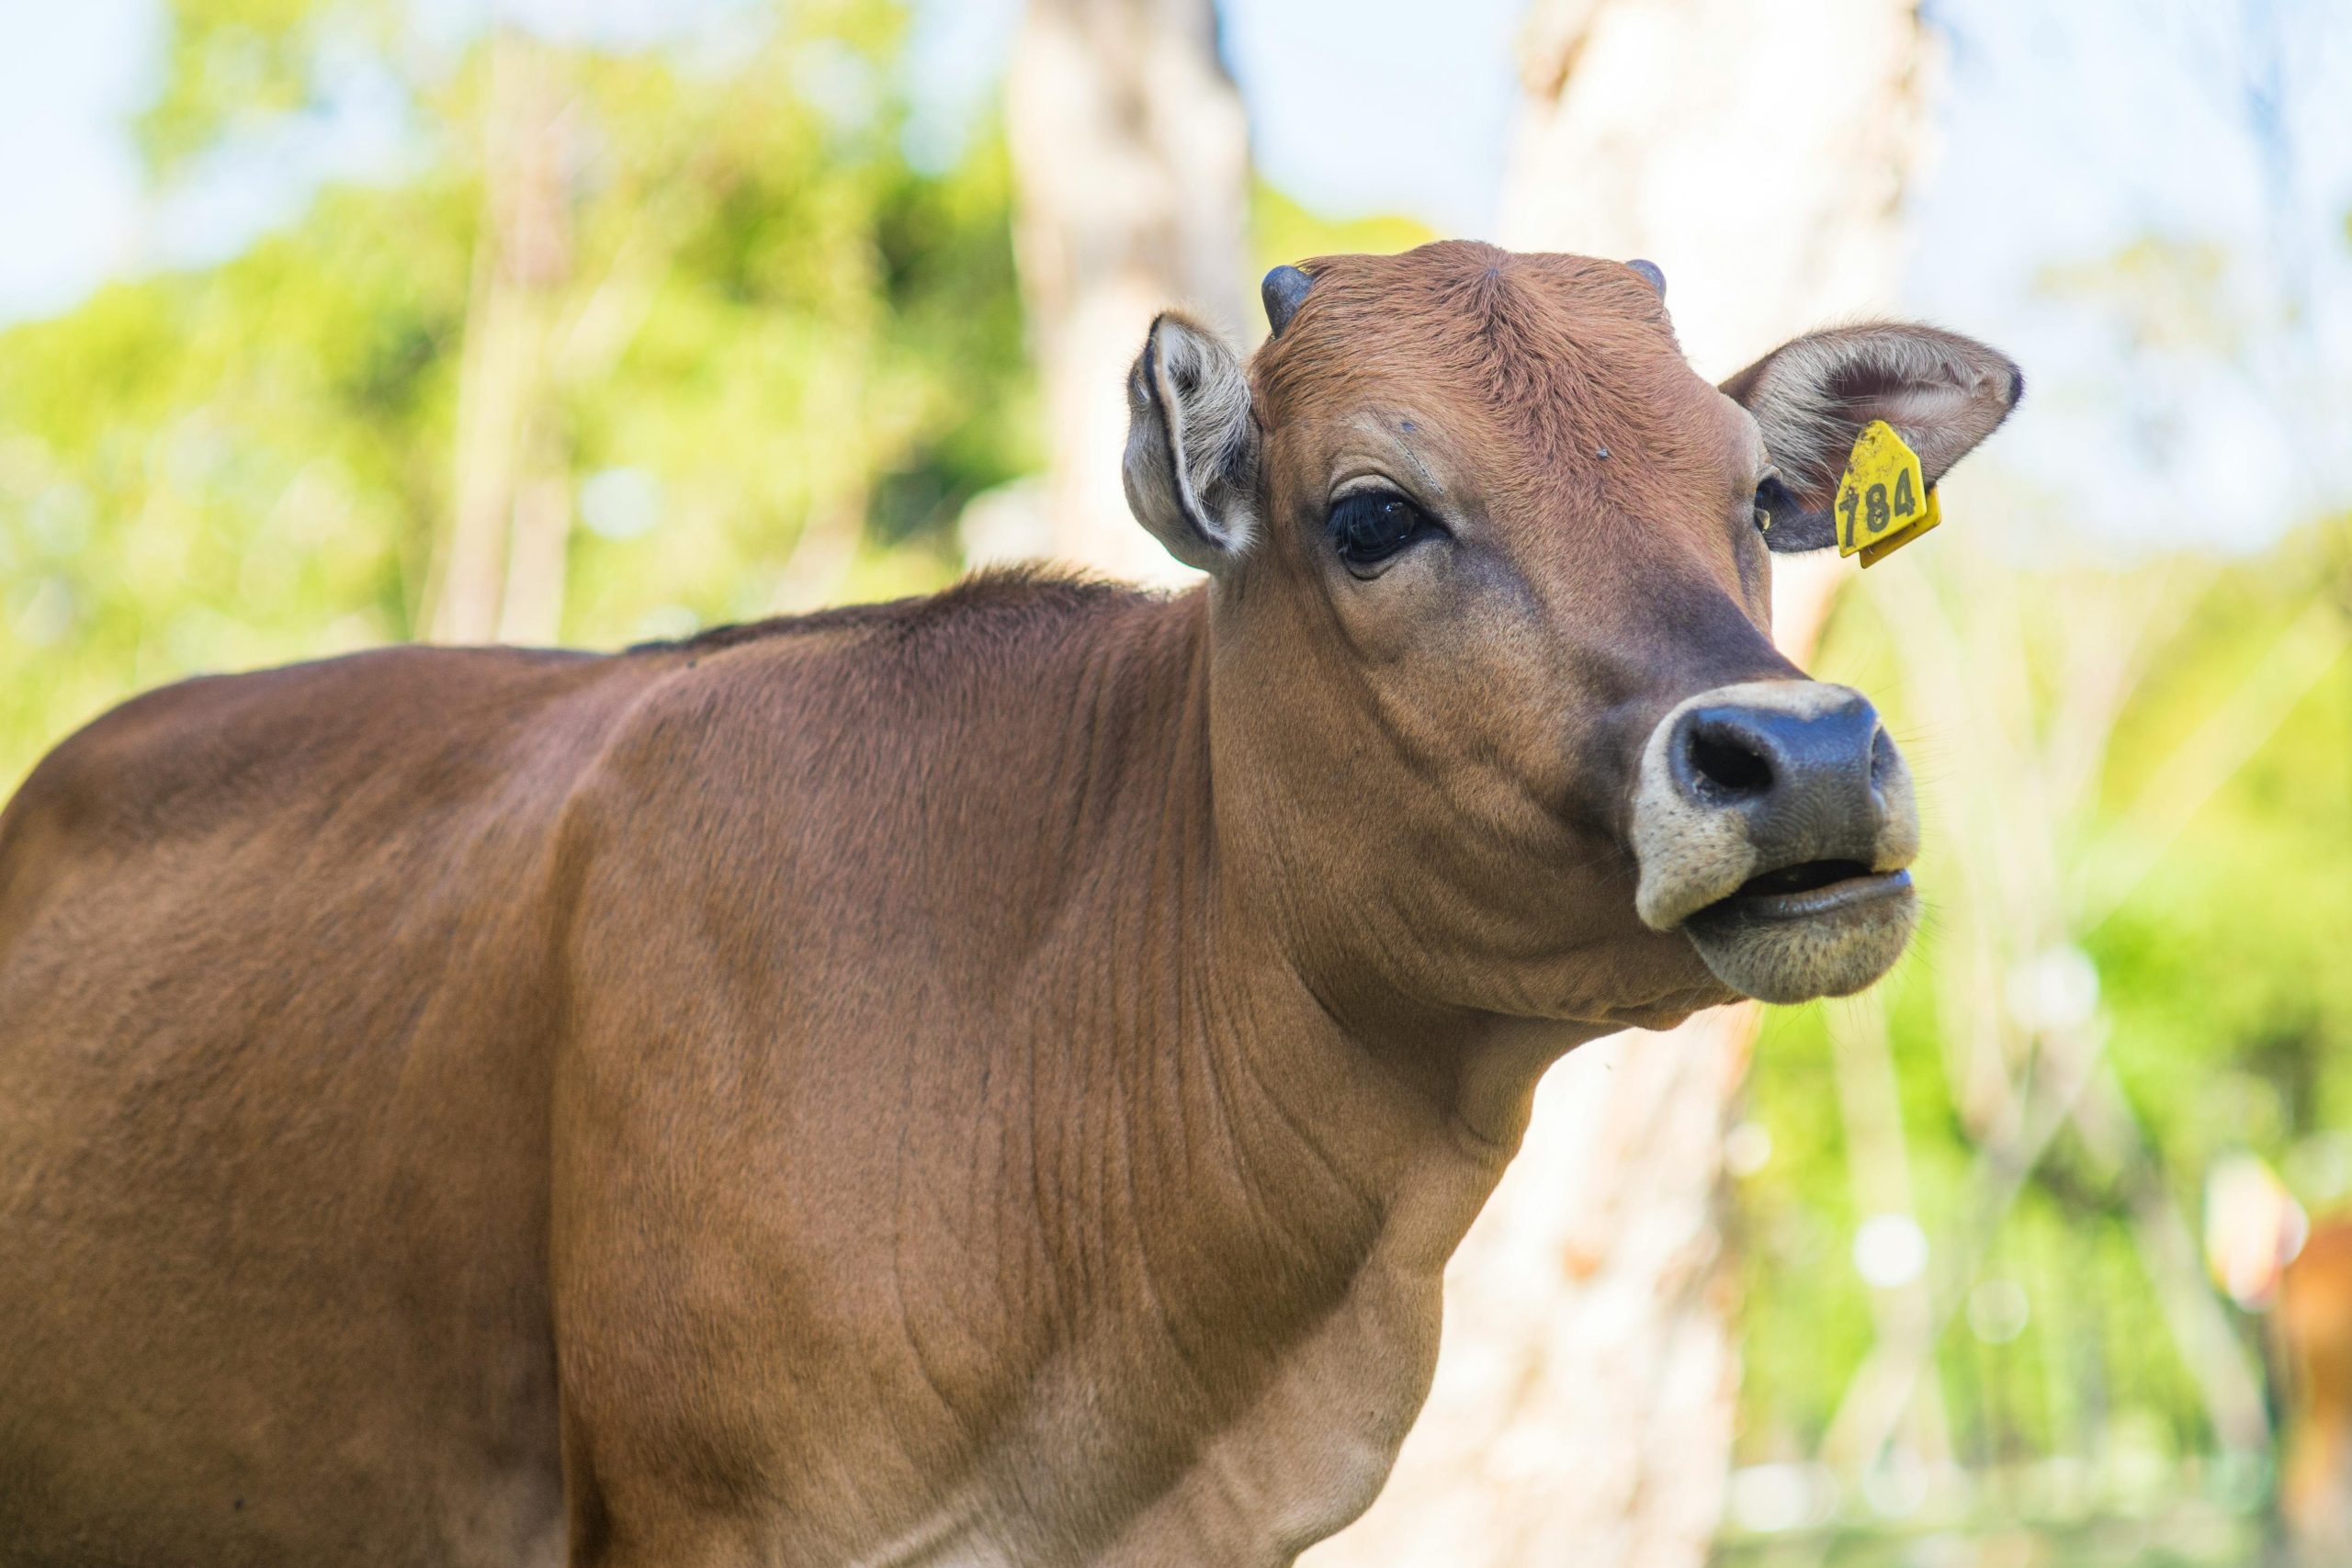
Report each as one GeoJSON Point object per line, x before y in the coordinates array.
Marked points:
{"type": "Point", "coordinates": [1882, 504]}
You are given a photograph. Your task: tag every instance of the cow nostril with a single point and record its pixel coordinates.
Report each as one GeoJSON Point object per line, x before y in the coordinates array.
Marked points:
{"type": "Point", "coordinates": [1881, 757]}
{"type": "Point", "coordinates": [1729, 766]}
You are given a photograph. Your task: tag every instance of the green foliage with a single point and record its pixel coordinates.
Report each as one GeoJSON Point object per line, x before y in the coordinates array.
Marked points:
{"type": "Point", "coordinates": [2233, 998]}
{"type": "Point", "coordinates": [769, 319]}
{"type": "Point", "coordinates": [1282, 231]}
{"type": "Point", "coordinates": [236, 64]}
{"type": "Point", "coordinates": [2225, 999]}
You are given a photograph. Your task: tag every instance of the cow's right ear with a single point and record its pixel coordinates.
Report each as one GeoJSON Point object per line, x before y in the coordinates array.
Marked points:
{"type": "Point", "coordinates": [1191, 465]}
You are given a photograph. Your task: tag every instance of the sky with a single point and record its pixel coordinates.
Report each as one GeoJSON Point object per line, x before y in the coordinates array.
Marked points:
{"type": "Point", "coordinates": [2065, 134]}
{"type": "Point", "coordinates": [68, 186]}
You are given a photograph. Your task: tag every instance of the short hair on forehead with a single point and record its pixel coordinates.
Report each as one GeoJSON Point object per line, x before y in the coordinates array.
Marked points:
{"type": "Point", "coordinates": [1563, 351]}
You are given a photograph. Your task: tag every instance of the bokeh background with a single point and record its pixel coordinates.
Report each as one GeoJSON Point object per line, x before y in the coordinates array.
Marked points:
{"type": "Point", "coordinates": [325, 323]}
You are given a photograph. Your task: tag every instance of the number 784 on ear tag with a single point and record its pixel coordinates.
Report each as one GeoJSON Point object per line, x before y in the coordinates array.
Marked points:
{"type": "Point", "coordinates": [1883, 503]}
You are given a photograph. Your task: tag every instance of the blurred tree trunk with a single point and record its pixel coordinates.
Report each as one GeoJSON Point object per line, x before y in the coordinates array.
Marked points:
{"type": "Point", "coordinates": [501, 570]}
{"type": "Point", "coordinates": [1131, 164]}
{"type": "Point", "coordinates": [1584, 1402]}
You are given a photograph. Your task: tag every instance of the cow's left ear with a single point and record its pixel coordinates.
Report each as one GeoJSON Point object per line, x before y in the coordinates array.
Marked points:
{"type": "Point", "coordinates": [1191, 464]}
{"type": "Point", "coordinates": [1943, 393]}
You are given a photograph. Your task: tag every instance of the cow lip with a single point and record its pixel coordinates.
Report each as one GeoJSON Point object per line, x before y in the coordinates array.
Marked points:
{"type": "Point", "coordinates": [1825, 928]}
{"type": "Point", "coordinates": [1805, 893]}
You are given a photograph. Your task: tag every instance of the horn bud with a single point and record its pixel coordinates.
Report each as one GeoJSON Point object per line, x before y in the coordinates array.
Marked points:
{"type": "Point", "coordinates": [1281, 291]}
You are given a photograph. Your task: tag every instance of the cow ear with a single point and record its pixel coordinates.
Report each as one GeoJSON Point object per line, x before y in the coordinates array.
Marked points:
{"type": "Point", "coordinates": [1943, 393]}
{"type": "Point", "coordinates": [1191, 465]}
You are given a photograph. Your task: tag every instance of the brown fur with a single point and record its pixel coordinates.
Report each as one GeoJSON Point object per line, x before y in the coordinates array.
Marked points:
{"type": "Point", "coordinates": [988, 1079]}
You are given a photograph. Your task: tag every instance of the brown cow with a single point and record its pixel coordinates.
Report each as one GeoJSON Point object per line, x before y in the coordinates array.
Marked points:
{"type": "Point", "coordinates": [2311, 1336]}
{"type": "Point", "coordinates": [988, 1079]}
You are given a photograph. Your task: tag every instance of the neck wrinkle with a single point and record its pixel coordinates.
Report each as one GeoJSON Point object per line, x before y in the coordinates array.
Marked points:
{"type": "Point", "coordinates": [1257, 1147]}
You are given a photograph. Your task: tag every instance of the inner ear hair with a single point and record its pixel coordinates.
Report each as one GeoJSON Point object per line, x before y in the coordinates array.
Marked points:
{"type": "Point", "coordinates": [1810, 397]}
{"type": "Point", "coordinates": [1191, 461]}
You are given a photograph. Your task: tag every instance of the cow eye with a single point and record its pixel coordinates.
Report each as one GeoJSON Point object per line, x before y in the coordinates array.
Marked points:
{"type": "Point", "coordinates": [1372, 524]}
{"type": "Point", "coordinates": [1771, 497]}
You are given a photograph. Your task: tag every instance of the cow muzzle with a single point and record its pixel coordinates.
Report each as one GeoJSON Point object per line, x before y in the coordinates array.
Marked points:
{"type": "Point", "coordinates": [1773, 823]}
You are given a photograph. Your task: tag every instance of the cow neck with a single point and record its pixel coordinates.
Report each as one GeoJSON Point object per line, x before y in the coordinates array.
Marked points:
{"type": "Point", "coordinates": [1249, 1111]}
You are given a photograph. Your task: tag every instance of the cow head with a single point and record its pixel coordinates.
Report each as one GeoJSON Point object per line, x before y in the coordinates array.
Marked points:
{"type": "Point", "coordinates": [1494, 705]}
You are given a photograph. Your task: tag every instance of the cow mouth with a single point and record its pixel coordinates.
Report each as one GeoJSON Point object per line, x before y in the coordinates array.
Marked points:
{"type": "Point", "coordinates": [1816, 887]}
{"type": "Point", "coordinates": [1822, 928]}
